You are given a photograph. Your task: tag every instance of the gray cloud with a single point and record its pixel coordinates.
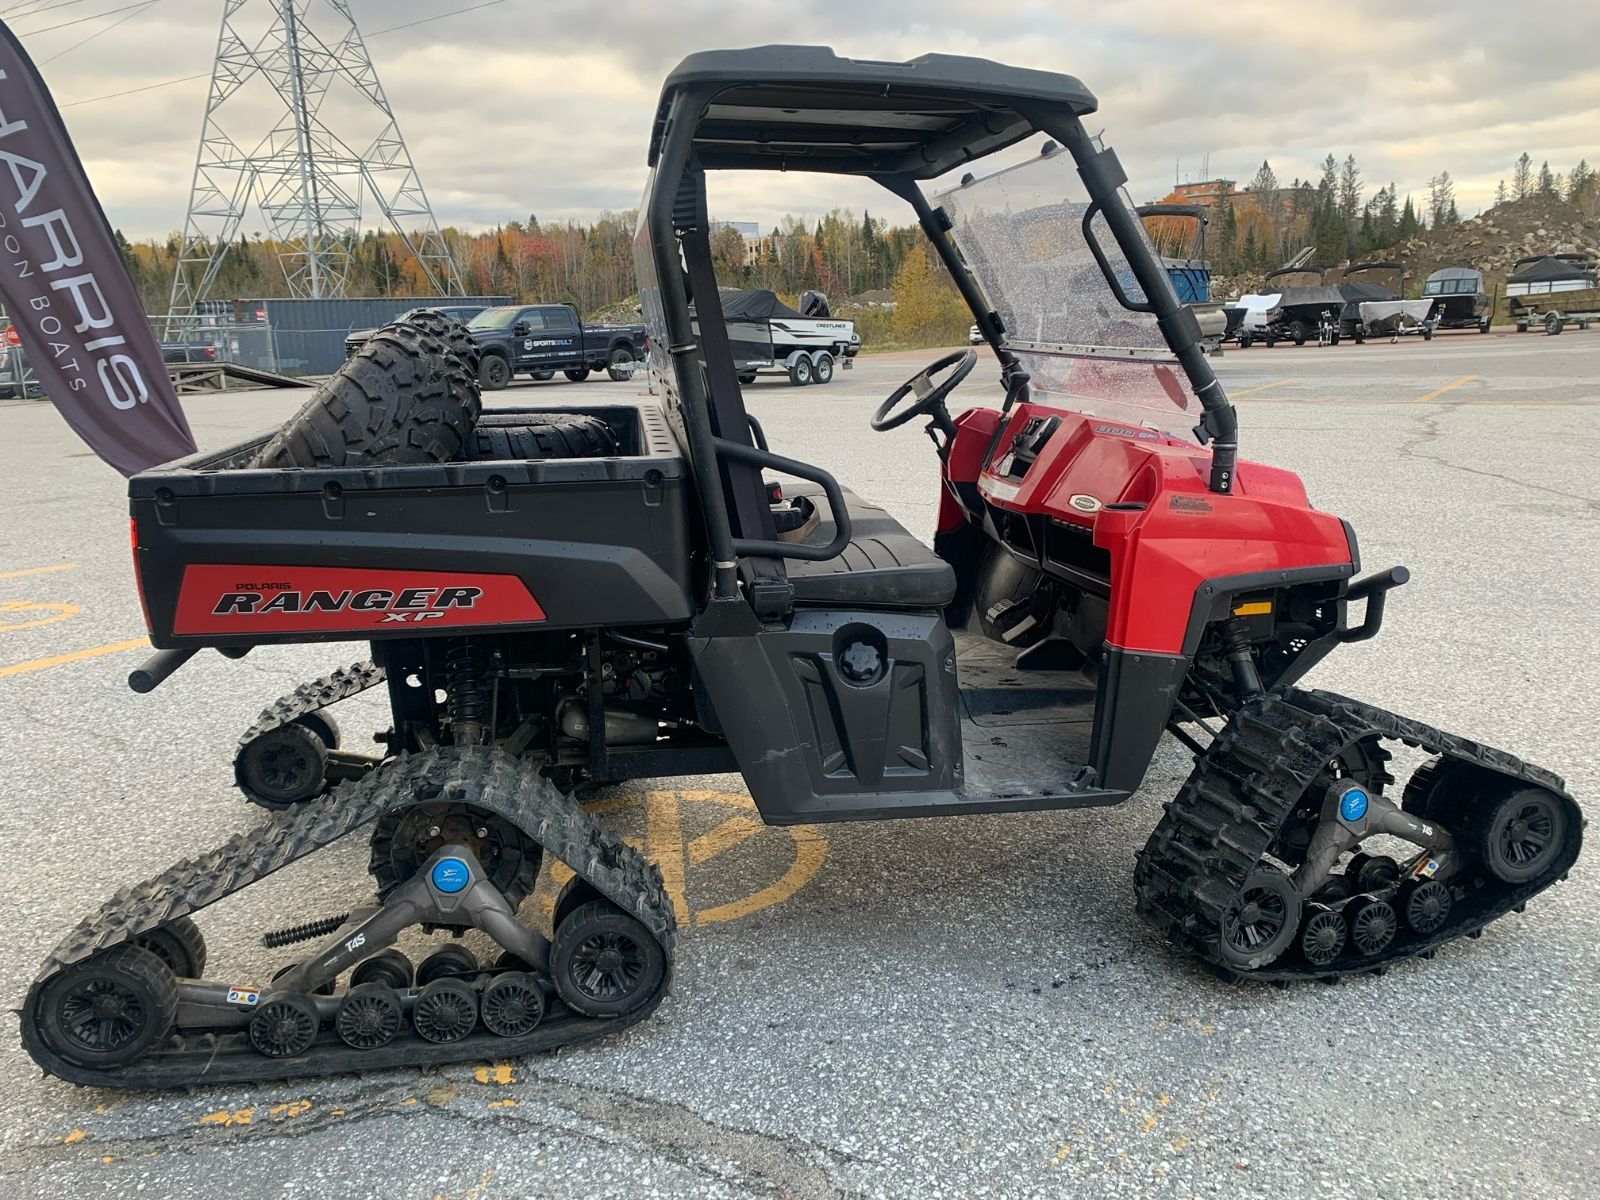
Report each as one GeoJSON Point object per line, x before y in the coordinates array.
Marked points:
{"type": "Point", "coordinates": [543, 106]}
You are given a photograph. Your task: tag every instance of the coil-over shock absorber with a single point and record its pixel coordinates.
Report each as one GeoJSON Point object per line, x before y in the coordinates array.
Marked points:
{"type": "Point", "coordinates": [469, 688]}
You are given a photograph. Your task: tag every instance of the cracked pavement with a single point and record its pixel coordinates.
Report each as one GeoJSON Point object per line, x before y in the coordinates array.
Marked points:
{"type": "Point", "coordinates": [965, 1007]}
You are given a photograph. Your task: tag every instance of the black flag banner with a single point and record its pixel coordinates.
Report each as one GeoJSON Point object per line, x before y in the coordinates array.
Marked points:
{"type": "Point", "coordinates": [66, 290]}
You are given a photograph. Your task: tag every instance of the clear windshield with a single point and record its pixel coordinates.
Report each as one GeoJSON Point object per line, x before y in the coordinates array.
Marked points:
{"type": "Point", "coordinates": [1021, 232]}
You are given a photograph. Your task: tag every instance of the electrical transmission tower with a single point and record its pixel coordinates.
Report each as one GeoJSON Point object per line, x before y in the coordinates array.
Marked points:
{"type": "Point", "coordinates": [300, 70]}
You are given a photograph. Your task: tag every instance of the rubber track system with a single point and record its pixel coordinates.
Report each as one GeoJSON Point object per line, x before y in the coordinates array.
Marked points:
{"type": "Point", "coordinates": [477, 775]}
{"type": "Point", "coordinates": [1250, 780]}
{"type": "Point", "coordinates": [404, 397]}
{"type": "Point", "coordinates": [304, 701]}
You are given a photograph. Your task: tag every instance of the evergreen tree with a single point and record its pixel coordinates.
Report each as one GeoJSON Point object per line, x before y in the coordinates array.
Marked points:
{"type": "Point", "coordinates": [1227, 234]}
{"type": "Point", "coordinates": [1269, 199]}
{"type": "Point", "coordinates": [1441, 199]}
{"type": "Point", "coordinates": [1522, 177]}
{"type": "Point", "coordinates": [1547, 181]}
{"type": "Point", "coordinates": [1349, 191]}
{"type": "Point", "coordinates": [1408, 224]}
{"type": "Point", "coordinates": [1500, 192]}
{"type": "Point", "coordinates": [1580, 183]}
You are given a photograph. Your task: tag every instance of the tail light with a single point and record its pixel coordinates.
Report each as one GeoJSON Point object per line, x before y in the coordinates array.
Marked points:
{"type": "Point", "coordinates": [138, 575]}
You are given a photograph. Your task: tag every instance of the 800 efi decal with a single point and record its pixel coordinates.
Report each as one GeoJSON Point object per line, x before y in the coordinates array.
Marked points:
{"type": "Point", "coordinates": [222, 598]}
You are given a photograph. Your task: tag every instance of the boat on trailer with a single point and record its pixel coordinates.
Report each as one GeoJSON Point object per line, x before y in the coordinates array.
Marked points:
{"type": "Point", "coordinates": [1459, 298]}
{"type": "Point", "coordinates": [1552, 289]}
{"type": "Point", "coordinates": [1374, 306]}
{"type": "Point", "coordinates": [1178, 232]}
{"type": "Point", "coordinates": [765, 334]}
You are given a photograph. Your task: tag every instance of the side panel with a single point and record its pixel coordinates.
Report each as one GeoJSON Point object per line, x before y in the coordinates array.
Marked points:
{"type": "Point", "coordinates": [842, 715]}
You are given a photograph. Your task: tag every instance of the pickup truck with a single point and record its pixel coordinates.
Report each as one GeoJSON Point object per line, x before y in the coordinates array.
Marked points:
{"type": "Point", "coordinates": [357, 338]}
{"type": "Point", "coordinates": [541, 339]}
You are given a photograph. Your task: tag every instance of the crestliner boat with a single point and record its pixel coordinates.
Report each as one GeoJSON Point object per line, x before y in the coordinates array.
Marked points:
{"type": "Point", "coordinates": [767, 335]}
{"type": "Point", "coordinates": [1459, 299]}
{"type": "Point", "coordinates": [1552, 289]}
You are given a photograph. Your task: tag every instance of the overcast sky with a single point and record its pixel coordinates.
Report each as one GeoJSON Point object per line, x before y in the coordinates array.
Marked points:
{"type": "Point", "coordinates": [543, 106]}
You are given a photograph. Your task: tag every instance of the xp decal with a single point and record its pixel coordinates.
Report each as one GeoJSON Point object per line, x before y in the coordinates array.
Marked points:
{"type": "Point", "coordinates": [221, 598]}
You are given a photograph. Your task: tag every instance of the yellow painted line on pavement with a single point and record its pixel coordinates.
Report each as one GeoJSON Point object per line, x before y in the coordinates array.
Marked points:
{"type": "Point", "coordinates": [61, 660]}
{"type": "Point", "coordinates": [39, 570]}
{"type": "Point", "coordinates": [1449, 387]}
{"type": "Point", "coordinates": [1259, 388]}
{"type": "Point", "coordinates": [52, 613]}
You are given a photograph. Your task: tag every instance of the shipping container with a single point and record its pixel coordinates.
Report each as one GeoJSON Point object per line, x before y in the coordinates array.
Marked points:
{"type": "Point", "coordinates": [306, 337]}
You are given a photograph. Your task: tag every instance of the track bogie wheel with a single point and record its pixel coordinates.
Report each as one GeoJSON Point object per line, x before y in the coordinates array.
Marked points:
{"type": "Point", "coordinates": [369, 1016]}
{"type": "Point", "coordinates": [108, 1010]}
{"type": "Point", "coordinates": [605, 963]}
{"type": "Point", "coordinates": [447, 962]}
{"type": "Point", "coordinates": [282, 767]}
{"type": "Point", "coordinates": [1261, 921]}
{"type": "Point", "coordinates": [1373, 927]}
{"type": "Point", "coordinates": [1323, 938]}
{"type": "Point", "coordinates": [180, 945]}
{"type": "Point", "coordinates": [285, 1026]}
{"type": "Point", "coordinates": [1428, 906]}
{"type": "Point", "coordinates": [1372, 872]}
{"type": "Point", "coordinates": [446, 1011]}
{"type": "Point", "coordinates": [390, 968]}
{"type": "Point", "coordinates": [1439, 789]}
{"type": "Point", "coordinates": [513, 1004]}
{"type": "Point", "coordinates": [1520, 835]}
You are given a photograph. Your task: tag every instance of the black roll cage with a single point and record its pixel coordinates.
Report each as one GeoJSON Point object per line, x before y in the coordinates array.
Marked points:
{"type": "Point", "coordinates": [701, 125]}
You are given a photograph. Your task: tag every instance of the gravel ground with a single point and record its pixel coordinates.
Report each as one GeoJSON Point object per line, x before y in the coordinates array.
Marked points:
{"type": "Point", "coordinates": [966, 1007]}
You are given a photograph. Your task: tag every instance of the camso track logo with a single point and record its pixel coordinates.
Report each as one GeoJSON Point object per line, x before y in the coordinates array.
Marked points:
{"type": "Point", "coordinates": [392, 606]}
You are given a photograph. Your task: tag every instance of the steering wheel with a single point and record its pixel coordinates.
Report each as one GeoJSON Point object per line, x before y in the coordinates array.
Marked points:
{"type": "Point", "coordinates": [930, 395]}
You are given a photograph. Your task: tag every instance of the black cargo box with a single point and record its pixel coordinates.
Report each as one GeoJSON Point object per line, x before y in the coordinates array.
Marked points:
{"type": "Point", "coordinates": [231, 557]}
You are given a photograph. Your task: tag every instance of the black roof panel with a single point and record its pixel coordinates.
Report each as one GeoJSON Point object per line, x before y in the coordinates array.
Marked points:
{"type": "Point", "coordinates": [804, 108]}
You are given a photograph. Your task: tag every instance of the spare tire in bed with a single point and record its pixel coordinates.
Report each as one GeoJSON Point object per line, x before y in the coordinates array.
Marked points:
{"type": "Point", "coordinates": [404, 397]}
{"type": "Point", "coordinates": [447, 329]}
{"type": "Point", "coordinates": [549, 435]}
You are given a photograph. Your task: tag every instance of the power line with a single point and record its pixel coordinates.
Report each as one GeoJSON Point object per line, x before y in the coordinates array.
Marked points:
{"type": "Point", "coordinates": [83, 41]}
{"type": "Point", "coordinates": [79, 21]}
{"type": "Point", "coordinates": [36, 11]}
{"type": "Point", "coordinates": [149, 87]}
{"type": "Point", "coordinates": [455, 12]}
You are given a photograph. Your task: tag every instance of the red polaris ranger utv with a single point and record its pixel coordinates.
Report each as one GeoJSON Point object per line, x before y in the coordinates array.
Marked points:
{"type": "Point", "coordinates": [620, 591]}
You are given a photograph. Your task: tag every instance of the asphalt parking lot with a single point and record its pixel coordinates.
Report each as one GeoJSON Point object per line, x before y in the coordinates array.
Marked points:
{"type": "Point", "coordinates": [958, 1008]}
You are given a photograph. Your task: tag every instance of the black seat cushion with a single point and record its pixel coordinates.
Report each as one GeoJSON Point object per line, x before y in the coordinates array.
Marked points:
{"type": "Point", "coordinates": [882, 567]}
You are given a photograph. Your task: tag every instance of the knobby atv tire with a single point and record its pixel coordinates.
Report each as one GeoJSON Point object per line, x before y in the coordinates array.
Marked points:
{"type": "Point", "coordinates": [447, 329]}
{"type": "Point", "coordinates": [552, 435]}
{"type": "Point", "coordinates": [404, 397]}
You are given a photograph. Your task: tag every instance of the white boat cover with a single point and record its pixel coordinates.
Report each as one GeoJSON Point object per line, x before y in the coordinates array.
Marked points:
{"type": "Point", "coordinates": [1256, 308]}
{"type": "Point", "coordinates": [1414, 312]}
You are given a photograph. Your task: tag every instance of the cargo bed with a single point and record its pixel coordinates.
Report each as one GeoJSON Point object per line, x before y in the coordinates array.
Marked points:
{"type": "Point", "coordinates": [233, 556]}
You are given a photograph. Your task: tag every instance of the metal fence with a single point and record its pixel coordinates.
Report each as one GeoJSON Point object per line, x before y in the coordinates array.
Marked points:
{"type": "Point", "coordinates": [292, 337]}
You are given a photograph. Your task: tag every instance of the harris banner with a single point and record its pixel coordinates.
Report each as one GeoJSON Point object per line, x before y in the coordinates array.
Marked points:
{"type": "Point", "coordinates": [67, 291]}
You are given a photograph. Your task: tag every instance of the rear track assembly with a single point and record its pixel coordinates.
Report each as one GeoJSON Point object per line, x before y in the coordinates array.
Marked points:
{"type": "Point", "coordinates": [106, 1010]}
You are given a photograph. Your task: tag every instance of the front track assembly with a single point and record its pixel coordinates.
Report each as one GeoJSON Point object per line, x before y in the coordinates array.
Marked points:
{"type": "Point", "coordinates": [1241, 869]}
{"type": "Point", "coordinates": [113, 1006]}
